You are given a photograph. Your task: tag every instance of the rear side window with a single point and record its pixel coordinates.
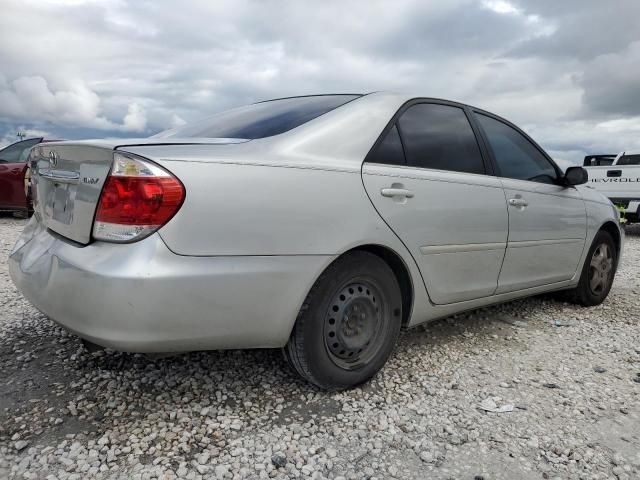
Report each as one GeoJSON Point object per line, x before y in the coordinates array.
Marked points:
{"type": "Point", "coordinates": [598, 160]}
{"type": "Point", "coordinates": [515, 155]}
{"type": "Point", "coordinates": [260, 120]}
{"type": "Point", "coordinates": [440, 136]}
{"type": "Point", "coordinates": [389, 151]}
{"type": "Point", "coordinates": [629, 160]}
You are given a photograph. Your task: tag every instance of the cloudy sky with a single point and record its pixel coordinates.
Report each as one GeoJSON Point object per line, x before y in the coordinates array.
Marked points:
{"type": "Point", "coordinates": [567, 71]}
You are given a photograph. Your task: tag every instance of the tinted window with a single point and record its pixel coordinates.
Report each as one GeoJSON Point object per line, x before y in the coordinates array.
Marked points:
{"type": "Point", "coordinates": [261, 119]}
{"type": "Point", "coordinates": [598, 160]}
{"type": "Point", "coordinates": [629, 160]}
{"type": "Point", "coordinates": [439, 136]}
{"type": "Point", "coordinates": [18, 151]}
{"type": "Point", "coordinates": [388, 151]}
{"type": "Point", "coordinates": [516, 156]}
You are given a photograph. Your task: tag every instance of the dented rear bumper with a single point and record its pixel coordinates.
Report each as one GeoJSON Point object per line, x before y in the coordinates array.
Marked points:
{"type": "Point", "coordinates": [141, 297]}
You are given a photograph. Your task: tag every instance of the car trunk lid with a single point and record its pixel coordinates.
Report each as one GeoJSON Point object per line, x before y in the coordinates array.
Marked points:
{"type": "Point", "coordinates": [67, 180]}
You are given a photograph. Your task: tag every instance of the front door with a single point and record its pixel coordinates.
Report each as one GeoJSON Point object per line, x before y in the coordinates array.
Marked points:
{"type": "Point", "coordinates": [12, 169]}
{"type": "Point", "coordinates": [427, 179]}
{"type": "Point", "coordinates": [547, 221]}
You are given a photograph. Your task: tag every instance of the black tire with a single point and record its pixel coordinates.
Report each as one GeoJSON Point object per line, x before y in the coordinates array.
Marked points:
{"type": "Point", "coordinates": [348, 324]}
{"type": "Point", "coordinates": [596, 272]}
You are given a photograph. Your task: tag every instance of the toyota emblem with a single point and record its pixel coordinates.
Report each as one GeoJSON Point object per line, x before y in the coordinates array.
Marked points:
{"type": "Point", "coordinates": [53, 159]}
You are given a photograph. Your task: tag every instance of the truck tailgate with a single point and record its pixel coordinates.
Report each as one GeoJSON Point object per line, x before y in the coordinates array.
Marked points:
{"type": "Point", "coordinates": [616, 181]}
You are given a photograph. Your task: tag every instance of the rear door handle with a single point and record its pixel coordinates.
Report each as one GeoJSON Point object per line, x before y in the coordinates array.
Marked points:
{"type": "Point", "coordinates": [518, 202]}
{"type": "Point", "coordinates": [396, 192]}
{"type": "Point", "coordinates": [614, 173]}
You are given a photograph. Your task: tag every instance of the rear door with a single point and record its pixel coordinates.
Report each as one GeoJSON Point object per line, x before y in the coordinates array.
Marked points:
{"type": "Point", "coordinates": [427, 179]}
{"type": "Point", "coordinates": [547, 221]}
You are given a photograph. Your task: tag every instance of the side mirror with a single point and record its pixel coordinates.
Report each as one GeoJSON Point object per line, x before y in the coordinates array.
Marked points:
{"type": "Point", "coordinates": [575, 176]}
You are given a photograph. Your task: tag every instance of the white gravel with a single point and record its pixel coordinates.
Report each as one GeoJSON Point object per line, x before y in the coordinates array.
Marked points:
{"type": "Point", "coordinates": [571, 377]}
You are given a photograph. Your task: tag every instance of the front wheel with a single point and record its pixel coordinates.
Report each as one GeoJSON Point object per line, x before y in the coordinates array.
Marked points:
{"type": "Point", "coordinates": [598, 272]}
{"type": "Point", "coordinates": [348, 324]}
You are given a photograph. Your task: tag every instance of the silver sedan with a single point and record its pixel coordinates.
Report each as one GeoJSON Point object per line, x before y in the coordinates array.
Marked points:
{"type": "Point", "coordinates": [322, 225]}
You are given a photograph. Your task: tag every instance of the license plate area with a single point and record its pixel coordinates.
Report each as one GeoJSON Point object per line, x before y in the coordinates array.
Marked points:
{"type": "Point", "coordinates": [63, 199]}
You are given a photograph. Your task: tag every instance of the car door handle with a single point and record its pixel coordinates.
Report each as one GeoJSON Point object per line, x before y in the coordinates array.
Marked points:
{"type": "Point", "coordinates": [614, 173]}
{"type": "Point", "coordinates": [396, 192]}
{"type": "Point", "coordinates": [518, 202]}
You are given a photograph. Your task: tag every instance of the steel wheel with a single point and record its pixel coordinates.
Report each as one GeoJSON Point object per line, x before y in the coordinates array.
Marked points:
{"type": "Point", "coordinates": [348, 324]}
{"type": "Point", "coordinates": [600, 269]}
{"type": "Point", "coordinates": [353, 325]}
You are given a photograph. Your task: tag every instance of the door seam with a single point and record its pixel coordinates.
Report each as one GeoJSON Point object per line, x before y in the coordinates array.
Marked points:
{"type": "Point", "coordinates": [397, 236]}
{"type": "Point", "coordinates": [504, 256]}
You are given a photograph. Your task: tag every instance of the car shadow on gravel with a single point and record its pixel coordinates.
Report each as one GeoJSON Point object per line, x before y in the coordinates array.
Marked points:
{"type": "Point", "coordinates": [632, 230]}
{"type": "Point", "coordinates": [499, 323]}
{"type": "Point", "coordinates": [18, 216]}
{"type": "Point", "coordinates": [62, 388]}
{"type": "Point", "coordinates": [53, 380]}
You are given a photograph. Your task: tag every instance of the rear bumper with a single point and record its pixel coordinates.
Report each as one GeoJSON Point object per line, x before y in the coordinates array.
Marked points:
{"type": "Point", "coordinates": [141, 297]}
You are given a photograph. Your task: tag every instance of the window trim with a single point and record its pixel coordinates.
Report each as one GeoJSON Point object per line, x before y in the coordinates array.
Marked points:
{"type": "Point", "coordinates": [356, 95]}
{"type": "Point", "coordinates": [489, 169]}
{"type": "Point", "coordinates": [491, 154]}
{"type": "Point", "coordinates": [381, 139]}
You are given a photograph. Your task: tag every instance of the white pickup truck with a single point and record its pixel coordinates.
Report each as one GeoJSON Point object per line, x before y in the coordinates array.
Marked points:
{"type": "Point", "coordinates": [617, 177]}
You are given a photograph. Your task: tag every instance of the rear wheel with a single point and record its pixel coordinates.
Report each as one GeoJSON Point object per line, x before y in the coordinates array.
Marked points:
{"type": "Point", "coordinates": [349, 323]}
{"type": "Point", "coordinates": [598, 272]}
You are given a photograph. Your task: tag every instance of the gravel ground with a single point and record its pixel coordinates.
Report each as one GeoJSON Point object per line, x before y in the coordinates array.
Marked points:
{"type": "Point", "coordinates": [571, 374]}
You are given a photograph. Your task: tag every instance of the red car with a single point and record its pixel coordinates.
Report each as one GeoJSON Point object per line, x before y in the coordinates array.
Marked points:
{"type": "Point", "coordinates": [14, 176]}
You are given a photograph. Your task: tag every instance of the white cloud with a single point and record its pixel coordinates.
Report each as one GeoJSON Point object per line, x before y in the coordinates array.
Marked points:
{"type": "Point", "coordinates": [108, 67]}
{"type": "Point", "coordinates": [28, 98]}
{"type": "Point", "coordinates": [628, 124]}
{"type": "Point", "coordinates": [500, 6]}
{"type": "Point", "coordinates": [135, 120]}
{"type": "Point", "coordinates": [11, 136]}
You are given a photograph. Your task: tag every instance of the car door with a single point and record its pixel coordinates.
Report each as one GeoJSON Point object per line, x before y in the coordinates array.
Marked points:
{"type": "Point", "coordinates": [547, 221]}
{"type": "Point", "coordinates": [428, 180]}
{"type": "Point", "coordinates": [12, 168]}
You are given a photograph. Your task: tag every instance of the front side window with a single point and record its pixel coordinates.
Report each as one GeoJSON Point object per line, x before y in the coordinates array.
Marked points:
{"type": "Point", "coordinates": [260, 120]}
{"type": "Point", "coordinates": [515, 155]}
{"type": "Point", "coordinates": [389, 151]}
{"type": "Point", "coordinates": [440, 137]}
{"type": "Point", "coordinates": [18, 152]}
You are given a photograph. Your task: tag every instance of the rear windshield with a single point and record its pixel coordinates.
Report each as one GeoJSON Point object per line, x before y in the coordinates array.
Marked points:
{"type": "Point", "coordinates": [262, 119]}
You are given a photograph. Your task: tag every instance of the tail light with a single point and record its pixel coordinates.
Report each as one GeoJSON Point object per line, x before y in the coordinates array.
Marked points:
{"type": "Point", "coordinates": [137, 199]}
